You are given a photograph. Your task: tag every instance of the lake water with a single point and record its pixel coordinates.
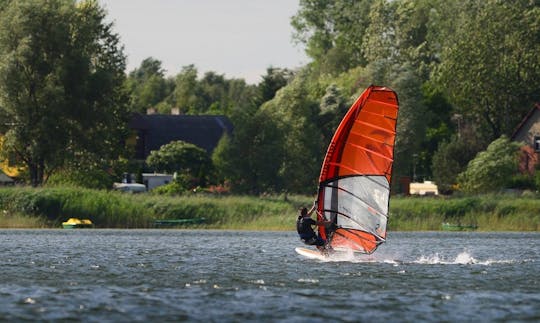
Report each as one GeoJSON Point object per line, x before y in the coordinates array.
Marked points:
{"type": "Point", "coordinates": [231, 276]}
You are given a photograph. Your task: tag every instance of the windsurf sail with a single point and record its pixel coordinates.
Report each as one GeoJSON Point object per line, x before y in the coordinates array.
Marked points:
{"type": "Point", "coordinates": [354, 184]}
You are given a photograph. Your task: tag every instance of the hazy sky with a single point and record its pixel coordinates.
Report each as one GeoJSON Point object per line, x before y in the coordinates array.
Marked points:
{"type": "Point", "coordinates": [238, 38]}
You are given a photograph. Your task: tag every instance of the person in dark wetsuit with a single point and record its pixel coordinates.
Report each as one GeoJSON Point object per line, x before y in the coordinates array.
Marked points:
{"type": "Point", "coordinates": [304, 228]}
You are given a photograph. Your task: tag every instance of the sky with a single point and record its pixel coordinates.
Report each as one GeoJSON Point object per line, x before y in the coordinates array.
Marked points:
{"type": "Point", "coordinates": [237, 38]}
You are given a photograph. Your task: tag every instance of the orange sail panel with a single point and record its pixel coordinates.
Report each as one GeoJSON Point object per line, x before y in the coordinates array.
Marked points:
{"type": "Point", "coordinates": [354, 185]}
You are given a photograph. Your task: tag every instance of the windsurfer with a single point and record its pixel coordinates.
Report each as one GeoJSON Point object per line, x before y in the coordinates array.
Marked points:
{"type": "Point", "coordinates": [305, 230]}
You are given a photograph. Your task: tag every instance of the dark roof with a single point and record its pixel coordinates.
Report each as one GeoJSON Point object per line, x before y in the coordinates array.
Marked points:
{"type": "Point", "coordinates": [4, 178]}
{"type": "Point", "coordinates": [524, 121]}
{"type": "Point", "coordinates": [204, 131]}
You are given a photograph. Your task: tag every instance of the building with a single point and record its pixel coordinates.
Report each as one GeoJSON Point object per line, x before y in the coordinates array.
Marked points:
{"type": "Point", "coordinates": [155, 130]}
{"type": "Point", "coordinates": [425, 188]}
{"type": "Point", "coordinates": [528, 133]}
{"type": "Point", "coordinates": [151, 180]}
{"type": "Point", "coordinates": [5, 180]}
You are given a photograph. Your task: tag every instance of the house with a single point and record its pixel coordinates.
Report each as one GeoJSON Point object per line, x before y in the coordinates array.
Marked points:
{"type": "Point", "coordinates": [528, 133]}
{"type": "Point", "coordinates": [155, 130]}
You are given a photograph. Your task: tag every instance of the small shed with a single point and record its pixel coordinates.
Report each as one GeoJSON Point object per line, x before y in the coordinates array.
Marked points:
{"type": "Point", "coordinates": [153, 180]}
{"type": "Point", "coordinates": [5, 180]}
{"type": "Point", "coordinates": [425, 188]}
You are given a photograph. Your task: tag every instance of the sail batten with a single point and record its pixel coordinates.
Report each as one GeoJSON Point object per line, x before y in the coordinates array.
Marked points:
{"type": "Point", "coordinates": [354, 184]}
{"type": "Point", "coordinates": [373, 152]}
{"type": "Point", "coordinates": [379, 128]}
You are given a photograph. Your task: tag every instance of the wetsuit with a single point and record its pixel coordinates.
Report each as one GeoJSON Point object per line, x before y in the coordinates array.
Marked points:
{"type": "Point", "coordinates": [306, 233]}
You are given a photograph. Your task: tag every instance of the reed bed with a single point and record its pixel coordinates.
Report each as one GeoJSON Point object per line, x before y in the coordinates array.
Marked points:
{"type": "Point", "coordinates": [48, 207]}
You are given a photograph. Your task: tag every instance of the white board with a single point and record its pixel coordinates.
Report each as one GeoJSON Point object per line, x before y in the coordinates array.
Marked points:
{"type": "Point", "coordinates": [309, 253]}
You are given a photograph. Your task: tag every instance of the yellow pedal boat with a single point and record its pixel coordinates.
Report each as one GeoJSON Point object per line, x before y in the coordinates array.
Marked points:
{"type": "Point", "coordinates": [74, 223]}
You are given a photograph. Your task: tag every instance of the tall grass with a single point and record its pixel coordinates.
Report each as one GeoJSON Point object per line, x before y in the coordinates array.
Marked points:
{"type": "Point", "coordinates": [489, 212]}
{"type": "Point", "coordinates": [119, 210]}
{"type": "Point", "coordinates": [106, 209]}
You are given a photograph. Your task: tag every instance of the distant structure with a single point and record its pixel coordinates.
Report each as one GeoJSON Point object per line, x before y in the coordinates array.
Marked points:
{"type": "Point", "coordinates": [425, 188]}
{"type": "Point", "coordinates": [528, 133]}
{"type": "Point", "coordinates": [155, 130]}
{"type": "Point", "coordinates": [151, 180]}
{"type": "Point", "coordinates": [5, 180]}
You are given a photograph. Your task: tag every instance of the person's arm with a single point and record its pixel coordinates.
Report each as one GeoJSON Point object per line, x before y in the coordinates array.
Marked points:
{"type": "Point", "coordinates": [313, 207]}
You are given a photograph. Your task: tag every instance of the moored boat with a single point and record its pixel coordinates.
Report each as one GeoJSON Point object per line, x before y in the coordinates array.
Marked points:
{"type": "Point", "coordinates": [74, 223]}
{"type": "Point", "coordinates": [458, 227]}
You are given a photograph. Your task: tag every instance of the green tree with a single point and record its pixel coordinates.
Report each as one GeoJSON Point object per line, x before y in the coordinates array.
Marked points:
{"type": "Point", "coordinates": [451, 159]}
{"type": "Point", "coordinates": [61, 84]}
{"type": "Point", "coordinates": [439, 128]}
{"type": "Point", "coordinates": [332, 32]}
{"type": "Point", "coordinates": [182, 158]}
{"type": "Point", "coordinates": [297, 118]}
{"type": "Point", "coordinates": [490, 67]}
{"type": "Point", "coordinates": [492, 169]}
{"type": "Point", "coordinates": [147, 85]}
{"type": "Point", "coordinates": [251, 159]}
{"type": "Point", "coordinates": [187, 94]}
{"type": "Point", "coordinates": [333, 107]}
{"type": "Point", "coordinates": [275, 79]}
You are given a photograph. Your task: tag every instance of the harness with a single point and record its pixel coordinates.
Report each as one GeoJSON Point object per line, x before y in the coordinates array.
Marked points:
{"type": "Point", "coordinates": [304, 229]}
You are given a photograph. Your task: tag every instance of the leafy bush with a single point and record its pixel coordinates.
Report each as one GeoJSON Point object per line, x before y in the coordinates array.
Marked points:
{"type": "Point", "coordinates": [492, 169]}
{"type": "Point", "coordinates": [88, 178]}
{"type": "Point", "coordinates": [449, 160]}
{"type": "Point", "coordinates": [182, 158]}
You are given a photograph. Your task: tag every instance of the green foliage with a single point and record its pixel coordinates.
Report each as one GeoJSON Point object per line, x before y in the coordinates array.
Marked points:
{"type": "Point", "coordinates": [465, 73]}
{"type": "Point", "coordinates": [212, 94]}
{"type": "Point", "coordinates": [522, 182]}
{"type": "Point", "coordinates": [61, 84]}
{"type": "Point", "coordinates": [488, 212]}
{"type": "Point", "coordinates": [147, 85]}
{"type": "Point", "coordinates": [182, 158]}
{"type": "Point", "coordinates": [275, 79]}
{"type": "Point", "coordinates": [116, 210]}
{"type": "Point", "coordinates": [333, 107]}
{"type": "Point", "coordinates": [94, 178]}
{"type": "Point", "coordinates": [332, 32]}
{"type": "Point", "coordinates": [492, 169]}
{"type": "Point", "coordinates": [489, 64]}
{"type": "Point", "coordinates": [178, 186]}
{"type": "Point", "coordinates": [449, 160]}
{"type": "Point", "coordinates": [296, 117]}
{"type": "Point", "coordinates": [439, 128]}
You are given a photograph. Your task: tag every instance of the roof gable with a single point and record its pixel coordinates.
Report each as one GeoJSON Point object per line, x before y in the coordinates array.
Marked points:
{"type": "Point", "coordinates": [520, 134]}
{"type": "Point", "coordinates": [204, 131]}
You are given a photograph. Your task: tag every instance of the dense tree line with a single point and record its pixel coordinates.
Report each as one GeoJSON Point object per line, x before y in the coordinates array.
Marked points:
{"type": "Point", "coordinates": [465, 72]}
{"type": "Point", "coordinates": [62, 102]}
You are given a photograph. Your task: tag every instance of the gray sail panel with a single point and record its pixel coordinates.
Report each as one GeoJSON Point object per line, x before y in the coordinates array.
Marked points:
{"type": "Point", "coordinates": [358, 202]}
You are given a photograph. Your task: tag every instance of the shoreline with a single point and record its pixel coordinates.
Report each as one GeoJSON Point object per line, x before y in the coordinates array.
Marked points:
{"type": "Point", "coordinates": [24, 207]}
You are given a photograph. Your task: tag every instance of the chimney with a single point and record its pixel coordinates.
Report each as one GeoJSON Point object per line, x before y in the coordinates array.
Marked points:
{"type": "Point", "coordinates": [175, 111]}
{"type": "Point", "coordinates": [151, 111]}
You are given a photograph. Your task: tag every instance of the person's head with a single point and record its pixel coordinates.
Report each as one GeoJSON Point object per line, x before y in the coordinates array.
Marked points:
{"type": "Point", "coordinates": [303, 211]}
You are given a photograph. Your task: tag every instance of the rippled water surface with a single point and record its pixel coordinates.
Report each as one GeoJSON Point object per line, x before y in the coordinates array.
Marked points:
{"type": "Point", "coordinates": [224, 276]}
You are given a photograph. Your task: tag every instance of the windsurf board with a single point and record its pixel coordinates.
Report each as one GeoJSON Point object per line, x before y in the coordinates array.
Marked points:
{"type": "Point", "coordinates": [311, 254]}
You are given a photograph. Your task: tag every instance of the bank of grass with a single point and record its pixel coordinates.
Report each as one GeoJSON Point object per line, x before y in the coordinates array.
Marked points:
{"type": "Point", "coordinates": [107, 209]}
{"type": "Point", "coordinates": [501, 212]}
{"type": "Point", "coordinates": [21, 221]}
{"type": "Point", "coordinates": [48, 207]}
